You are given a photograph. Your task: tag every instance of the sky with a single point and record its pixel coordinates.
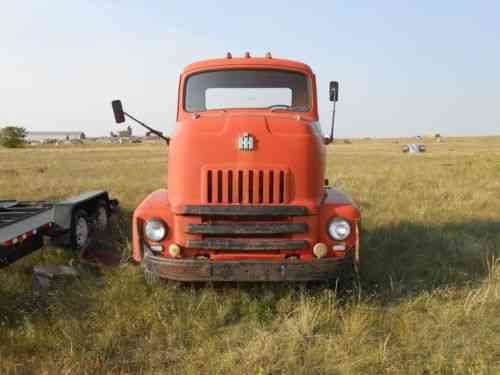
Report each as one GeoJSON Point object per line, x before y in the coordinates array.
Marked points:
{"type": "Point", "coordinates": [405, 67]}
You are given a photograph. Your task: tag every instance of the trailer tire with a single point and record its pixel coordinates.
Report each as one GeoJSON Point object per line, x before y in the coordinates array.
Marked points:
{"type": "Point", "coordinates": [151, 278]}
{"type": "Point", "coordinates": [102, 215]}
{"type": "Point", "coordinates": [80, 230]}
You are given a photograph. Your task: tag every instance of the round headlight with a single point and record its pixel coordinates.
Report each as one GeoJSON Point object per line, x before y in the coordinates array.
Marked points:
{"type": "Point", "coordinates": [155, 230]}
{"type": "Point", "coordinates": [339, 229]}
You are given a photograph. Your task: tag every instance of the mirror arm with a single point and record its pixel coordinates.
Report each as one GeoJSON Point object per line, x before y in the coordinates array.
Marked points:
{"type": "Point", "coordinates": [158, 133]}
{"type": "Point", "coordinates": [329, 139]}
{"type": "Point", "coordinates": [333, 121]}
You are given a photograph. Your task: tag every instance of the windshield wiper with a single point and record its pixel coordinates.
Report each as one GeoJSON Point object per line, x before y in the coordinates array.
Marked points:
{"type": "Point", "coordinates": [287, 107]}
{"type": "Point", "coordinates": [278, 106]}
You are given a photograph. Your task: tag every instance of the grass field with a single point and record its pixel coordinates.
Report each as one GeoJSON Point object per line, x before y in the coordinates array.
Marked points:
{"type": "Point", "coordinates": [429, 301]}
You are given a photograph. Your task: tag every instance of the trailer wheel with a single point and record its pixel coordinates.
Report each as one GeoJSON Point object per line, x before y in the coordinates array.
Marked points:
{"type": "Point", "coordinates": [102, 216]}
{"type": "Point", "coordinates": [152, 279]}
{"type": "Point", "coordinates": [80, 231]}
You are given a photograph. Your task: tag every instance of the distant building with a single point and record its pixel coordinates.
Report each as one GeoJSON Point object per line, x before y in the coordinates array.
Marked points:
{"type": "Point", "coordinates": [122, 133]}
{"type": "Point", "coordinates": [57, 136]}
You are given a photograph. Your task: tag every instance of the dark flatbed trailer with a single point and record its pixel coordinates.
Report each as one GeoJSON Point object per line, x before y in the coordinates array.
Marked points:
{"type": "Point", "coordinates": [25, 225]}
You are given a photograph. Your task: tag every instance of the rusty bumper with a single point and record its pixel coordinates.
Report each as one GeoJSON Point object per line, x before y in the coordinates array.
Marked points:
{"type": "Point", "coordinates": [246, 270]}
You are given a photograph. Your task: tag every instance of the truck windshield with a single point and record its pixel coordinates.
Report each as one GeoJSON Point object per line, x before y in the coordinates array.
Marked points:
{"type": "Point", "coordinates": [256, 89]}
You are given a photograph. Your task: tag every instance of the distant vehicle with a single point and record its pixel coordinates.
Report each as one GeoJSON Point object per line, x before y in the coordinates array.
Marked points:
{"type": "Point", "coordinates": [413, 148]}
{"type": "Point", "coordinates": [23, 225]}
{"type": "Point", "coordinates": [246, 173]}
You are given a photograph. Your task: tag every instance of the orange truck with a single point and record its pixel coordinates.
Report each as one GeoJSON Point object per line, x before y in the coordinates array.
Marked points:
{"type": "Point", "coordinates": [247, 198]}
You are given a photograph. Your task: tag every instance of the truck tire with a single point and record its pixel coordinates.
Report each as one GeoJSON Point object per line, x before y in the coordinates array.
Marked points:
{"type": "Point", "coordinates": [102, 216]}
{"type": "Point", "coordinates": [348, 278]}
{"type": "Point", "coordinates": [80, 230]}
{"type": "Point", "coordinates": [151, 278]}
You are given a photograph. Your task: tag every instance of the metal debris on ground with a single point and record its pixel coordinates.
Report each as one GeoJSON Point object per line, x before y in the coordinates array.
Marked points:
{"type": "Point", "coordinates": [50, 277]}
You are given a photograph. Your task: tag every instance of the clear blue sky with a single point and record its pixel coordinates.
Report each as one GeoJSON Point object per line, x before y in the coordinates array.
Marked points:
{"type": "Point", "coordinates": [405, 68]}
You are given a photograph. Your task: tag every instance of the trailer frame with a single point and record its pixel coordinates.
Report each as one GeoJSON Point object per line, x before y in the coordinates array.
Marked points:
{"type": "Point", "coordinates": [25, 226]}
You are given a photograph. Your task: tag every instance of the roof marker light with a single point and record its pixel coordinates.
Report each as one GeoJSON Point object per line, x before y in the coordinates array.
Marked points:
{"type": "Point", "coordinates": [247, 55]}
{"type": "Point", "coordinates": [268, 55]}
{"type": "Point", "coordinates": [229, 56]}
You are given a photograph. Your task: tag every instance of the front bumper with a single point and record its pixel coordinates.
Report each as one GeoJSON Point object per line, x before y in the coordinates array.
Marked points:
{"type": "Point", "coordinates": [246, 270]}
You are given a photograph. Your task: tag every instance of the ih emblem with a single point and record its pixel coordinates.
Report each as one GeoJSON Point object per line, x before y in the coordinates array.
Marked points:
{"type": "Point", "coordinates": [246, 142]}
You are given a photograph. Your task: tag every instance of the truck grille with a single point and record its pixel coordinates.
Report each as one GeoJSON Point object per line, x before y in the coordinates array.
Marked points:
{"type": "Point", "coordinates": [246, 186]}
{"type": "Point", "coordinates": [246, 227]}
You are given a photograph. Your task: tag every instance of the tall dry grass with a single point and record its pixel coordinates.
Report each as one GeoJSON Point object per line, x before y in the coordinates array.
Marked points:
{"type": "Point", "coordinates": [429, 300]}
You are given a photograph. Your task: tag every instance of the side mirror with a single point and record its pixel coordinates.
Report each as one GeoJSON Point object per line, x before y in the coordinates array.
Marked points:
{"type": "Point", "coordinates": [120, 117]}
{"type": "Point", "coordinates": [334, 91]}
{"type": "Point", "coordinates": [118, 111]}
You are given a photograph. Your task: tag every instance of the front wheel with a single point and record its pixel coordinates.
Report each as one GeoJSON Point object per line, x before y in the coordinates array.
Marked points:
{"type": "Point", "coordinates": [151, 278]}
{"type": "Point", "coordinates": [348, 278]}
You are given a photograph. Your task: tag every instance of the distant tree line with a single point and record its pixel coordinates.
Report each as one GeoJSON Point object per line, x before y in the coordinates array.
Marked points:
{"type": "Point", "coordinates": [12, 136]}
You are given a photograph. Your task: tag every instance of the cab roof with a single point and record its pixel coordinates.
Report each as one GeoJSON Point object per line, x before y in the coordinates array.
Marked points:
{"type": "Point", "coordinates": [246, 62]}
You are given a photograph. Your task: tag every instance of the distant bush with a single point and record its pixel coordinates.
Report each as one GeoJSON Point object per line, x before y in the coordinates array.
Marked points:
{"type": "Point", "coordinates": [12, 136]}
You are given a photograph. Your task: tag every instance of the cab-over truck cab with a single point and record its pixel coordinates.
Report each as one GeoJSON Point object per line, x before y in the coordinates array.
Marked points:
{"type": "Point", "coordinates": [246, 197]}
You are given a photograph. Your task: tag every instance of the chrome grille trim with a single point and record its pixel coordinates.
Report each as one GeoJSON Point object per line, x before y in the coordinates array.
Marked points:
{"type": "Point", "coordinates": [247, 229]}
{"type": "Point", "coordinates": [243, 210]}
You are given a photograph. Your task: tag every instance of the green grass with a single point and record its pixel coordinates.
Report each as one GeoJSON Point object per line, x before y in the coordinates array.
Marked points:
{"type": "Point", "coordinates": [429, 301]}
